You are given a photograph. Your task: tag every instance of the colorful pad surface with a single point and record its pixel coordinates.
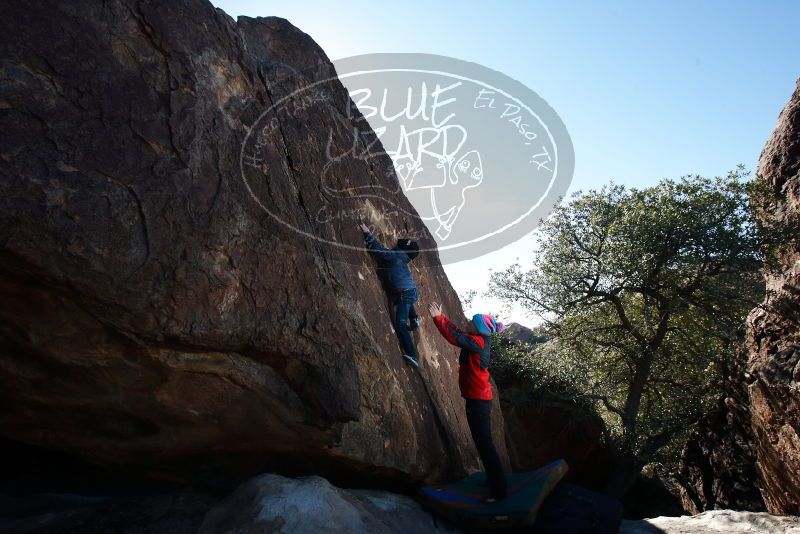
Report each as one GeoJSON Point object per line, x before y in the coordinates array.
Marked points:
{"type": "Point", "coordinates": [465, 500]}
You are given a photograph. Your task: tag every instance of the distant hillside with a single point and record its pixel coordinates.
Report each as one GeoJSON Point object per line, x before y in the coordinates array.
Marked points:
{"type": "Point", "coordinates": [517, 332]}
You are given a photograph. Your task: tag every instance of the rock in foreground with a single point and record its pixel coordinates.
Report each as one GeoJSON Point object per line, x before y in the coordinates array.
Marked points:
{"type": "Point", "coordinates": [271, 503]}
{"type": "Point", "coordinates": [715, 522]}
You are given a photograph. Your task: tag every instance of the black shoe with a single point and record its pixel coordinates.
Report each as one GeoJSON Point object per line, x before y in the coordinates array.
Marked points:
{"type": "Point", "coordinates": [413, 324]}
{"type": "Point", "coordinates": [411, 361]}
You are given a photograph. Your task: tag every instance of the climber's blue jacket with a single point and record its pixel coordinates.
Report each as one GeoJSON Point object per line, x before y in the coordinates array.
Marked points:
{"type": "Point", "coordinates": [395, 261]}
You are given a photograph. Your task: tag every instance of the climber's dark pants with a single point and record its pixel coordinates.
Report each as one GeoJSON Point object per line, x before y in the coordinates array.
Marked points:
{"type": "Point", "coordinates": [404, 300]}
{"type": "Point", "coordinates": [479, 414]}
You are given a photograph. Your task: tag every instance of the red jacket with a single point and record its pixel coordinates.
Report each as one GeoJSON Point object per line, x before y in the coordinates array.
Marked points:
{"type": "Point", "coordinates": [473, 373]}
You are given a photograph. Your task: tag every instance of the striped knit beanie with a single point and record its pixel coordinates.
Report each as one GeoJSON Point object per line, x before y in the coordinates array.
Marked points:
{"type": "Point", "coordinates": [486, 324]}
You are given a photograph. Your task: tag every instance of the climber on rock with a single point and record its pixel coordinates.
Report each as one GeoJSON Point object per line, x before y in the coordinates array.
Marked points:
{"type": "Point", "coordinates": [473, 381]}
{"type": "Point", "coordinates": [403, 291]}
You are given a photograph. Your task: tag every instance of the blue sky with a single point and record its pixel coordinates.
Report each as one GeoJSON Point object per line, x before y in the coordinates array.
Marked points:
{"type": "Point", "coordinates": [647, 90]}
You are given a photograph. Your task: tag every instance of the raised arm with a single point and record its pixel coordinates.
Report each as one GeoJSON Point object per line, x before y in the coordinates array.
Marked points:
{"type": "Point", "coordinates": [374, 245]}
{"type": "Point", "coordinates": [451, 333]}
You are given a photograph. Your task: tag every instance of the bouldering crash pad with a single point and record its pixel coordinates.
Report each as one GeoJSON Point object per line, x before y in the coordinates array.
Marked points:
{"type": "Point", "coordinates": [465, 501]}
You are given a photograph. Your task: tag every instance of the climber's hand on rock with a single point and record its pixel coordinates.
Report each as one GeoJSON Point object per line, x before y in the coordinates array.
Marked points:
{"type": "Point", "coordinates": [364, 228]}
{"type": "Point", "coordinates": [435, 309]}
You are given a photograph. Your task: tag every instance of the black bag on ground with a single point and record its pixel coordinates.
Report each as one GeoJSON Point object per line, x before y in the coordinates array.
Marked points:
{"type": "Point", "coordinates": [571, 509]}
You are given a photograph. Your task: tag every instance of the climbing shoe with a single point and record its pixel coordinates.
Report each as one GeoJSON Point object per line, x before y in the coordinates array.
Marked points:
{"type": "Point", "coordinates": [413, 324]}
{"type": "Point", "coordinates": [411, 361]}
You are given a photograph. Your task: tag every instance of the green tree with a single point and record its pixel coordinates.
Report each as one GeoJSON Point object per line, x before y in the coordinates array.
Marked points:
{"type": "Point", "coordinates": [642, 291]}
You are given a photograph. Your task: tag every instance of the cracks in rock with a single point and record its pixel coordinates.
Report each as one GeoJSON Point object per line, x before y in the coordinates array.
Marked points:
{"type": "Point", "coordinates": [293, 175]}
{"type": "Point", "coordinates": [143, 219]}
{"type": "Point", "coordinates": [149, 33]}
{"type": "Point", "coordinates": [214, 199]}
{"type": "Point", "coordinates": [440, 426]}
{"type": "Point", "coordinates": [286, 153]}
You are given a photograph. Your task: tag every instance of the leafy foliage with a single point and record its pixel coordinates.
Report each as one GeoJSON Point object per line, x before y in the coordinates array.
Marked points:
{"type": "Point", "coordinates": [642, 291]}
{"type": "Point", "coordinates": [537, 367]}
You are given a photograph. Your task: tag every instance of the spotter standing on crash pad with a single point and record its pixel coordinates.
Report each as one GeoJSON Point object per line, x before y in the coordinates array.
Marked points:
{"type": "Point", "coordinates": [402, 289]}
{"type": "Point", "coordinates": [473, 380]}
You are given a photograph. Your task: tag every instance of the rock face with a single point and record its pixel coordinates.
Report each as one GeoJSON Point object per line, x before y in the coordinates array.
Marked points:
{"type": "Point", "coordinates": [541, 431]}
{"type": "Point", "coordinates": [773, 336]}
{"type": "Point", "coordinates": [161, 313]}
{"type": "Point", "coordinates": [271, 503]}
{"type": "Point", "coordinates": [751, 441]}
{"type": "Point", "coordinates": [717, 468]}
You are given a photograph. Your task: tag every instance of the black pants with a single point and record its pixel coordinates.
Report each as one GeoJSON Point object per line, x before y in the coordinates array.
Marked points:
{"type": "Point", "coordinates": [479, 414]}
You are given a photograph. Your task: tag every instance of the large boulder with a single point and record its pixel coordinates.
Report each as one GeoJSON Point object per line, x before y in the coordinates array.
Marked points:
{"type": "Point", "coordinates": [271, 503]}
{"type": "Point", "coordinates": [714, 522]}
{"type": "Point", "coordinates": [773, 336]}
{"type": "Point", "coordinates": [745, 453]}
{"type": "Point", "coordinates": [159, 311]}
{"type": "Point", "coordinates": [717, 468]}
{"type": "Point", "coordinates": [541, 429]}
